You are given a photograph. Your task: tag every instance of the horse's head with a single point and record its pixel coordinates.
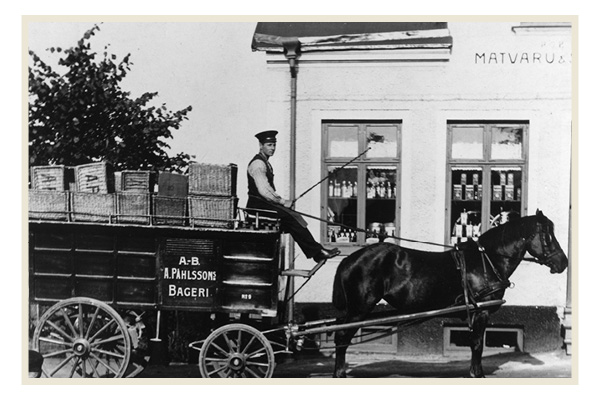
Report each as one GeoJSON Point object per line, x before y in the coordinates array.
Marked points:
{"type": "Point", "coordinates": [544, 246]}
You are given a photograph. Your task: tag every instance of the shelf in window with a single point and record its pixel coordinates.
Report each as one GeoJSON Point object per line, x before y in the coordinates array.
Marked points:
{"type": "Point", "coordinates": [380, 198]}
{"type": "Point", "coordinates": [341, 198]}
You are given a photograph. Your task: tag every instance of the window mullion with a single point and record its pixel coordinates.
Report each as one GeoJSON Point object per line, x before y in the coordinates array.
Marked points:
{"type": "Point", "coordinates": [486, 198]}
{"type": "Point", "coordinates": [362, 201]}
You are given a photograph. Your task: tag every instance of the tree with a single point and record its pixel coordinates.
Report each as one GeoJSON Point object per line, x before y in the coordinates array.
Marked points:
{"type": "Point", "coordinates": [84, 115]}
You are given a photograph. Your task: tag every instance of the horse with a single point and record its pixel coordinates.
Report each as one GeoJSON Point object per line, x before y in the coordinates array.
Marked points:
{"type": "Point", "coordinates": [414, 281]}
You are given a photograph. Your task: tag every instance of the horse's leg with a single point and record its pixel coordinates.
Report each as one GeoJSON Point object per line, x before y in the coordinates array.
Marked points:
{"type": "Point", "coordinates": [480, 320]}
{"type": "Point", "coordinates": [342, 341]}
{"type": "Point", "coordinates": [344, 337]}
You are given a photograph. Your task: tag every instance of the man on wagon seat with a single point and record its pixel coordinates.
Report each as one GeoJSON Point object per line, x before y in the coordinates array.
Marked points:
{"type": "Point", "coordinates": [262, 196]}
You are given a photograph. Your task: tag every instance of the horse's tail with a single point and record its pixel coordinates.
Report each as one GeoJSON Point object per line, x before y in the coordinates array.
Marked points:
{"type": "Point", "coordinates": [339, 294]}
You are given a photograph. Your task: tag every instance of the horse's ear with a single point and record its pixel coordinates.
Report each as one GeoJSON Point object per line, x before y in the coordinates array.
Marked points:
{"type": "Point", "coordinates": [538, 213]}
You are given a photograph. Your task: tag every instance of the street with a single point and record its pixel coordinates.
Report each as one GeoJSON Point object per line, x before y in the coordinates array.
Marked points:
{"type": "Point", "coordinates": [362, 365]}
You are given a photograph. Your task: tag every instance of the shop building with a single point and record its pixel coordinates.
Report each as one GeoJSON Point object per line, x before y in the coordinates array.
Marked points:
{"type": "Point", "coordinates": [444, 130]}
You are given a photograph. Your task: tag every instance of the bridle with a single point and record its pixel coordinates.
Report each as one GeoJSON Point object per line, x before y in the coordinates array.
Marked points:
{"type": "Point", "coordinates": [543, 231]}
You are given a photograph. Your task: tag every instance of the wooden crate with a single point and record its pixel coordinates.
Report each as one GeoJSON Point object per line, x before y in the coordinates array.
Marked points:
{"type": "Point", "coordinates": [95, 178]}
{"type": "Point", "coordinates": [136, 181]}
{"type": "Point", "coordinates": [212, 211]}
{"type": "Point", "coordinates": [168, 210]}
{"type": "Point", "coordinates": [212, 180]}
{"type": "Point", "coordinates": [172, 185]}
{"type": "Point", "coordinates": [93, 207]}
{"type": "Point", "coordinates": [49, 205]}
{"type": "Point", "coordinates": [133, 208]}
{"type": "Point", "coordinates": [51, 177]}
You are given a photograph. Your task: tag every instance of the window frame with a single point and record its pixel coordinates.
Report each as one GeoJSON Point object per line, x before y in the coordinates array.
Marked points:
{"type": "Point", "coordinates": [361, 165]}
{"type": "Point", "coordinates": [486, 164]}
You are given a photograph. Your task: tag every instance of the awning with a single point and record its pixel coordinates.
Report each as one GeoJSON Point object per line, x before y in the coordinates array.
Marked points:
{"type": "Point", "coordinates": [327, 36]}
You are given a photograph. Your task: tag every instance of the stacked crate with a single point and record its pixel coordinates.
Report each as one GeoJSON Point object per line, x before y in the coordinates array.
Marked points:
{"type": "Point", "coordinates": [49, 196]}
{"type": "Point", "coordinates": [169, 205]}
{"type": "Point", "coordinates": [212, 195]}
{"type": "Point", "coordinates": [206, 197]}
{"type": "Point", "coordinates": [133, 197]}
{"type": "Point", "coordinates": [93, 199]}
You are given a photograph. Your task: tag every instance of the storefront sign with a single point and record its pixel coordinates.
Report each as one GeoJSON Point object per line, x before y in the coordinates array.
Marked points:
{"type": "Point", "coordinates": [521, 58]}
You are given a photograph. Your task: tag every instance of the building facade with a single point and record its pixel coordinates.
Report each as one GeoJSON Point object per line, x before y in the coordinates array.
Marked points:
{"type": "Point", "coordinates": [443, 130]}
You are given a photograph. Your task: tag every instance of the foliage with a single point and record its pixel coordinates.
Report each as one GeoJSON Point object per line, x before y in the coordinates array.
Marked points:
{"type": "Point", "coordinates": [85, 116]}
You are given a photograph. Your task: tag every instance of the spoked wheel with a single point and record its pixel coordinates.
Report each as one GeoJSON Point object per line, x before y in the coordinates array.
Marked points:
{"type": "Point", "coordinates": [82, 338]}
{"type": "Point", "coordinates": [236, 351]}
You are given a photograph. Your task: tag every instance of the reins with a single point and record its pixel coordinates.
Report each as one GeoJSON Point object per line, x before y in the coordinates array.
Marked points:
{"type": "Point", "coordinates": [379, 235]}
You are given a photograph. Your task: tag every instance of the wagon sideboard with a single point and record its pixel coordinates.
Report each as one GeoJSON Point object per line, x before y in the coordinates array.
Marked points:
{"type": "Point", "coordinates": [155, 267]}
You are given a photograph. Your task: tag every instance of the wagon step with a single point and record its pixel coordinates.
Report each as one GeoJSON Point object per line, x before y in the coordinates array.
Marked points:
{"type": "Point", "coordinates": [304, 273]}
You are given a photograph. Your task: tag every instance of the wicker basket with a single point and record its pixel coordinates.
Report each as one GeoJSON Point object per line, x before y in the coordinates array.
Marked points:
{"type": "Point", "coordinates": [218, 212]}
{"type": "Point", "coordinates": [93, 207]}
{"type": "Point", "coordinates": [49, 204]}
{"type": "Point", "coordinates": [51, 177]}
{"type": "Point", "coordinates": [213, 180]}
{"type": "Point", "coordinates": [133, 208]}
{"type": "Point", "coordinates": [95, 178]}
{"type": "Point", "coordinates": [135, 181]}
{"type": "Point", "coordinates": [169, 210]}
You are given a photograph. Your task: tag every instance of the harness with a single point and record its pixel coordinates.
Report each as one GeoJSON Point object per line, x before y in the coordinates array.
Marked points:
{"type": "Point", "coordinates": [499, 283]}
{"type": "Point", "coordinates": [468, 297]}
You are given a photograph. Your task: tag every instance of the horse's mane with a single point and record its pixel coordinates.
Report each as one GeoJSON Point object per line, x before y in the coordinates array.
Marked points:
{"type": "Point", "coordinates": [512, 231]}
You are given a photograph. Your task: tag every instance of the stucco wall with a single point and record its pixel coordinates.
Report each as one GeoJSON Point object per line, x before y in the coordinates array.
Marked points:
{"type": "Point", "coordinates": [492, 73]}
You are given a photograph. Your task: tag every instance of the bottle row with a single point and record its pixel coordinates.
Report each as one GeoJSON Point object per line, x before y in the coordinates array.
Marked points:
{"type": "Point", "coordinates": [344, 189]}
{"type": "Point", "coordinates": [499, 192]}
{"type": "Point", "coordinates": [466, 231]}
{"type": "Point", "coordinates": [342, 236]}
{"type": "Point", "coordinates": [375, 190]}
{"type": "Point", "coordinates": [372, 235]}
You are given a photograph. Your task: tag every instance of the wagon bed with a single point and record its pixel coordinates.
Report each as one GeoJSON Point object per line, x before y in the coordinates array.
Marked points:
{"type": "Point", "coordinates": [155, 267]}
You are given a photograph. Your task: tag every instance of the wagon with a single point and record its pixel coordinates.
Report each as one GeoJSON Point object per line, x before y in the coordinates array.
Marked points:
{"type": "Point", "coordinates": [97, 280]}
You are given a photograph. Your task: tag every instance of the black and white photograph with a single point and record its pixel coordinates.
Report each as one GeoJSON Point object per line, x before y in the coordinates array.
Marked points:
{"type": "Point", "coordinates": [377, 199]}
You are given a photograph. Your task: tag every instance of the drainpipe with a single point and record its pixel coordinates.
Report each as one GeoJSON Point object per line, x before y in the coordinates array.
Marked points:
{"type": "Point", "coordinates": [291, 50]}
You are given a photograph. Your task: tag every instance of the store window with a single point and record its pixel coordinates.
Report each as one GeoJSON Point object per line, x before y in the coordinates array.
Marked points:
{"type": "Point", "coordinates": [361, 197]}
{"type": "Point", "coordinates": [487, 176]}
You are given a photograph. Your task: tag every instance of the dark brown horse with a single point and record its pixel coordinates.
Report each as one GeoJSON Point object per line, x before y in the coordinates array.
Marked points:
{"type": "Point", "coordinates": [416, 281]}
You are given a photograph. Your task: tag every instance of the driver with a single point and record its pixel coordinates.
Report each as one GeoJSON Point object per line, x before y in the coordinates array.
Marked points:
{"type": "Point", "coordinates": [262, 196]}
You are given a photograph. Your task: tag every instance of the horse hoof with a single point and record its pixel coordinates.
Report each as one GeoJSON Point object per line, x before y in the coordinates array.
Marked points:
{"type": "Point", "coordinates": [480, 375]}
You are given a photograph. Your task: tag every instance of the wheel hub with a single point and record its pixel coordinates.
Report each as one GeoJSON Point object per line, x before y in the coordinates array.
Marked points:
{"type": "Point", "coordinates": [237, 361]}
{"type": "Point", "coordinates": [81, 347]}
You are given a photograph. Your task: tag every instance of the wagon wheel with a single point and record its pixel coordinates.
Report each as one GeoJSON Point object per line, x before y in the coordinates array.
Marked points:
{"type": "Point", "coordinates": [82, 338]}
{"type": "Point", "coordinates": [236, 351]}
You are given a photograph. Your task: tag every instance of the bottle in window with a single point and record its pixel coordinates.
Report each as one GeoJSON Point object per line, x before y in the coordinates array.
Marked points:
{"type": "Point", "coordinates": [463, 217]}
{"type": "Point", "coordinates": [458, 231]}
{"type": "Point", "coordinates": [469, 230]}
{"type": "Point", "coordinates": [330, 189]}
{"type": "Point", "coordinates": [354, 189]}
